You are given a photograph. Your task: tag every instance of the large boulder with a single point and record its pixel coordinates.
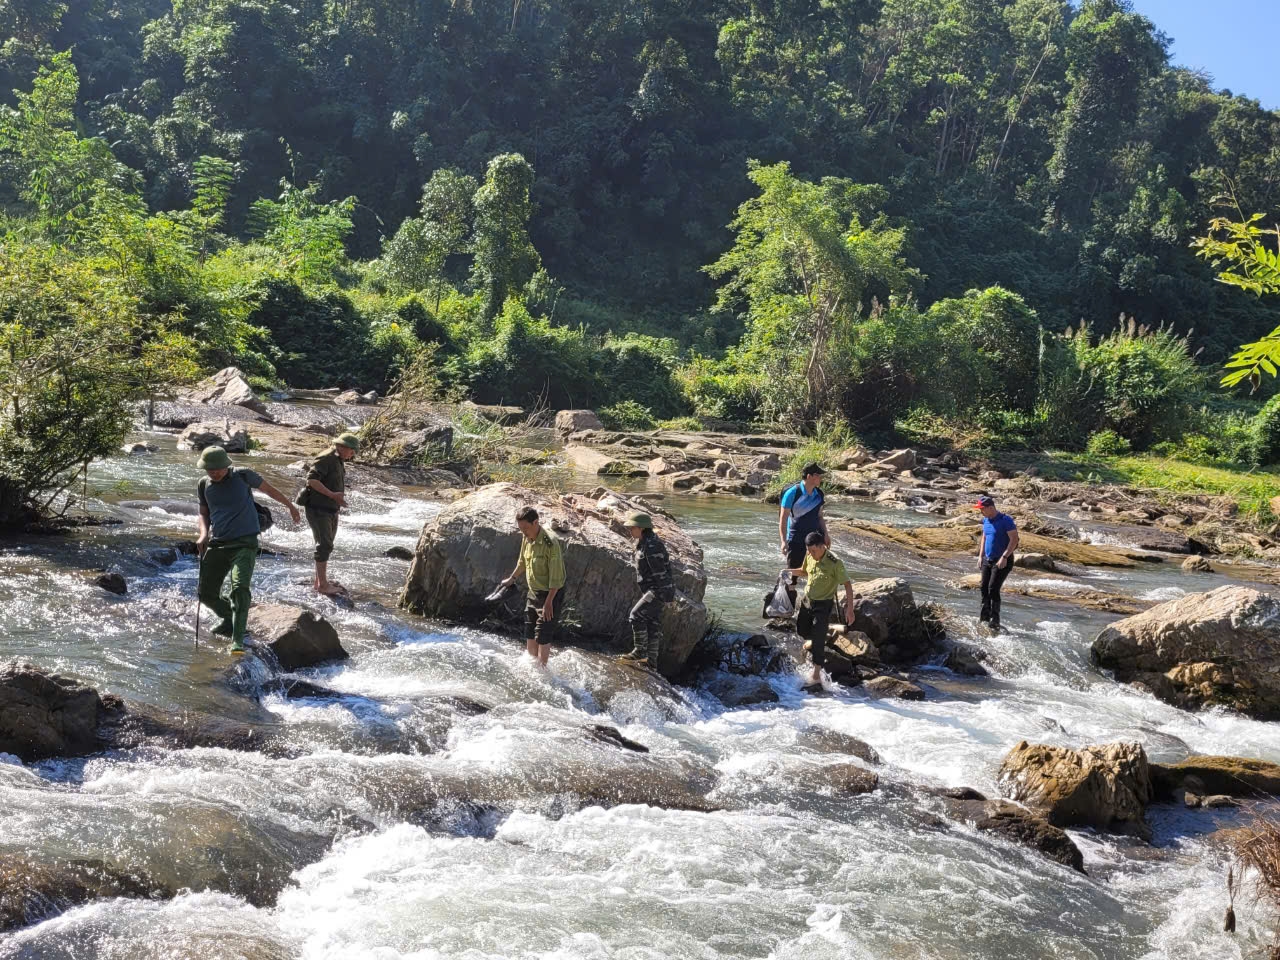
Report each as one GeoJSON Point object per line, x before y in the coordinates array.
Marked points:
{"type": "Point", "coordinates": [227, 386]}
{"type": "Point", "coordinates": [472, 544]}
{"type": "Point", "coordinates": [297, 637]}
{"type": "Point", "coordinates": [896, 460]}
{"type": "Point", "coordinates": [885, 610]}
{"type": "Point", "coordinates": [1107, 787]}
{"type": "Point", "coordinates": [589, 460]}
{"type": "Point", "coordinates": [571, 421]}
{"type": "Point", "coordinates": [33, 889]}
{"type": "Point", "coordinates": [1220, 647]}
{"type": "Point", "coordinates": [1208, 775]}
{"type": "Point", "coordinates": [1018, 825]}
{"type": "Point", "coordinates": [233, 439]}
{"type": "Point", "coordinates": [44, 716]}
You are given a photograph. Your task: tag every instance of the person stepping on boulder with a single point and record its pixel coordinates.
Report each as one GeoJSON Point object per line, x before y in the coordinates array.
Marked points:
{"type": "Point", "coordinates": [995, 558]}
{"type": "Point", "coordinates": [228, 538]}
{"type": "Point", "coordinates": [542, 562]}
{"type": "Point", "coordinates": [323, 496]}
{"type": "Point", "coordinates": [824, 572]}
{"type": "Point", "coordinates": [653, 573]}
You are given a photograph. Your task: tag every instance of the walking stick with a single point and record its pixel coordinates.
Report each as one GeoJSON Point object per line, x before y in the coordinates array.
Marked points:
{"type": "Point", "coordinates": [199, 573]}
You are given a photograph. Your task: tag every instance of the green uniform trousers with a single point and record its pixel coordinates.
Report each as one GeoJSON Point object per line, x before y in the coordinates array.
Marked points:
{"type": "Point", "coordinates": [237, 558]}
{"type": "Point", "coordinates": [324, 527]}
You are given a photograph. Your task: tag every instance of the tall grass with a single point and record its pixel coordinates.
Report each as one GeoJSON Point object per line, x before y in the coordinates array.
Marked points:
{"type": "Point", "coordinates": [829, 440]}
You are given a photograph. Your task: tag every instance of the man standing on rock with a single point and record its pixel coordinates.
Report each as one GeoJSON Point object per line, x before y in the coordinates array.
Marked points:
{"type": "Point", "coordinates": [801, 515]}
{"type": "Point", "coordinates": [825, 573]}
{"type": "Point", "coordinates": [995, 556]}
{"type": "Point", "coordinates": [322, 497]}
{"type": "Point", "coordinates": [542, 560]}
{"type": "Point", "coordinates": [228, 538]}
{"type": "Point", "coordinates": [653, 573]}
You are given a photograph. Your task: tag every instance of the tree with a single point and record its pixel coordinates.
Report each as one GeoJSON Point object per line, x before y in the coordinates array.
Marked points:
{"type": "Point", "coordinates": [804, 266]}
{"type": "Point", "coordinates": [505, 258]}
{"type": "Point", "coordinates": [74, 354]}
{"type": "Point", "coordinates": [416, 257]}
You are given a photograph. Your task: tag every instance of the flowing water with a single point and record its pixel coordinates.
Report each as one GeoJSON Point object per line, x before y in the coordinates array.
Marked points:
{"type": "Point", "coordinates": [401, 819]}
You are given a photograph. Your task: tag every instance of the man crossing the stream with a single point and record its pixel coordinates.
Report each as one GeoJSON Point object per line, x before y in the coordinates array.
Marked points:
{"type": "Point", "coordinates": [228, 538]}
{"type": "Point", "coordinates": [800, 514]}
{"type": "Point", "coordinates": [995, 557]}
{"type": "Point", "coordinates": [323, 495]}
{"type": "Point", "coordinates": [653, 573]}
{"type": "Point", "coordinates": [542, 562]}
{"type": "Point", "coordinates": [825, 574]}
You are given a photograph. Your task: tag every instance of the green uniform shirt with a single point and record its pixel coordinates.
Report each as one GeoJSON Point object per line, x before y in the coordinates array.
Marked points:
{"type": "Point", "coordinates": [543, 562]}
{"type": "Point", "coordinates": [332, 472]}
{"type": "Point", "coordinates": [825, 576]}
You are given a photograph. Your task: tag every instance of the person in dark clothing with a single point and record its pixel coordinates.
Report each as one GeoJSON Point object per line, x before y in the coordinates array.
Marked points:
{"type": "Point", "coordinates": [323, 496]}
{"type": "Point", "coordinates": [653, 573]}
{"type": "Point", "coordinates": [800, 514]}
{"type": "Point", "coordinates": [228, 539]}
{"type": "Point", "coordinates": [825, 573]}
{"type": "Point", "coordinates": [995, 556]}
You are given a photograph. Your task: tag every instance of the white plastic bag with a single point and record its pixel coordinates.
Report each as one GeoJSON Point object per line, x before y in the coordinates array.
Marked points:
{"type": "Point", "coordinates": [781, 605]}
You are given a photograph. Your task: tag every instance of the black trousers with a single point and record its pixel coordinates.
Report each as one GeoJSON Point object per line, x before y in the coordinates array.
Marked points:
{"type": "Point", "coordinates": [812, 620]}
{"type": "Point", "coordinates": [993, 578]}
{"type": "Point", "coordinates": [535, 628]}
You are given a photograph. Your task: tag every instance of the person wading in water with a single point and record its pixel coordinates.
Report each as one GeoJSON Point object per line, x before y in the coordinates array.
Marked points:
{"type": "Point", "coordinates": [228, 538]}
{"type": "Point", "coordinates": [653, 573]}
{"type": "Point", "coordinates": [825, 573]}
{"type": "Point", "coordinates": [542, 561]}
{"type": "Point", "coordinates": [322, 497]}
{"type": "Point", "coordinates": [995, 557]}
{"type": "Point", "coordinates": [801, 515]}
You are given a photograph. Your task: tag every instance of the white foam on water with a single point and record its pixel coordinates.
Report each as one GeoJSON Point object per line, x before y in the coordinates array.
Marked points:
{"type": "Point", "coordinates": [1162, 594]}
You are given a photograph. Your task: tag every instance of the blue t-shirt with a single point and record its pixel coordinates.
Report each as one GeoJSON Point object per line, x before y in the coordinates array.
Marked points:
{"type": "Point", "coordinates": [996, 531]}
{"type": "Point", "coordinates": [230, 502]}
{"type": "Point", "coordinates": [805, 510]}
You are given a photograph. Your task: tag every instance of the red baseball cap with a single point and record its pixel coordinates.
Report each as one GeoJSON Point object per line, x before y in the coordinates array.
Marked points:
{"type": "Point", "coordinates": [984, 502]}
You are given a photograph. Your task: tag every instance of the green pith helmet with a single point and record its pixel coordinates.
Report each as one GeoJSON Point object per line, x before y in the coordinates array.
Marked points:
{"type": "Point", "coordinates": [213, 458]}
{"type": "Point", "coordinates": [350, 441]}
{"type": "Point", "coordinates": [641, 520]}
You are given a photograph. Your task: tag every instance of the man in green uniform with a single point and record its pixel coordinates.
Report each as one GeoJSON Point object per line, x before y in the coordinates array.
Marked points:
{"type": "Point", "coordinates": [653, 573]}
{"type": "Point", "coordinates": [542, 560]}
{"type": "Point", "coordinates": [322, 497]}
{"type": "Point", "coordinates": [228, 538]}
{"type": "Point", "coordinates": [824, 572]}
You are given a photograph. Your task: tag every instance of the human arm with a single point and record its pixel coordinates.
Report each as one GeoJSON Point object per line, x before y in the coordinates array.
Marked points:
{"type": "Point", "coordinates": [784, 515]}
{"type": "Point", "coordinates": [281, 499]}
{"type": "Point", "coordinates": [324, 491]}
{"type": "Point", "coordinates": [516, 572]}
{"type": "Point", "coordinates": [1008, 552]}
{"type": "Point", "coordinates": [982, 546]}
{"type": "Point", "coordinates": [848, 602]}
{"type": "Point", "coordinates": [202, 529]}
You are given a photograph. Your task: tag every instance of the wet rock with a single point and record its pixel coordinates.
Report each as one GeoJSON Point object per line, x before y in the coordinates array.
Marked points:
{"type": "Point", "coordinates": [1230, 776]}
{"type": "Point", "coordinates": [1023, 828]}
{"type": "Point", "coordinates": [896, 461]}
{"type": "Point", "coordinates": [960, 793]}
{"type": "Point", "coordinates": [590, 460]}
{"type": "Point", "coordinates": [43, 715]}
{"type": "Point", "coordinates": [1220, 647]}
{"type": "Point", "coordinates": [735, 691]}
{"type": "Point", "coordinates": [352, 398]}
{"type": "Point", "coordinates": [737, 654]}
{"type": "Point", "coordinates": [853, 458]}
{"type": "Point", "coordinates": [612, 735]}
{"type": "Point", "coordinates": [1196, 565]}
{"type": "Point", "coordinates": [407, 447]}
{"type": "Point", "coordinates": [228, 386]}
{"type": "Point", "coordinates": [1036, 561]}
{"type": "Point", "coordinates": [895, 687]}
{"type": "Point", "coordinates": [659, 467]}
{"type": "Point", "coordinates": [138, 449]}
{"type": "Point", "coordinates": [966, 660]}
{"type": "Point", "coordinates": [298, 638]}
{"type": "Point", "coordinates": [885, 610]}
{"type": "Point", "coordinates": [112, 583]}
{"type": "Point", "coordinates": [473, 544]}
{"type": "Point", "coordinates": [826, 740]}
{"type": "Point", "coordinates": [1107, 787]}
{"type": "Point", "coordinates": [766, 463]}
{"type": "Point", "coordinates": [127, 725]}
{"type": "Point", "coordinates": [398, 553]}
{"type": "Point", "coordinates": [32, 890]}
{"type": "Point", "coordinates": [842, 778]}
{"type": "Point", "coordinates": [570, 421]}
{"type": "Point", "coordinates": [211, 434]}
{"type": "Point", "coordinates": [503, 416]}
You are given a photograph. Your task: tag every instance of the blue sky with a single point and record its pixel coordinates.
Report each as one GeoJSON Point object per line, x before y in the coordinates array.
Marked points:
{"type": "Point", "coordinates": [1235, 41]}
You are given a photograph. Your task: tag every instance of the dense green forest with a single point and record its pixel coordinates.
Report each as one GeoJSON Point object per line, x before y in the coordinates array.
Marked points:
{"type": "Point", "coordinates": [959, 221]}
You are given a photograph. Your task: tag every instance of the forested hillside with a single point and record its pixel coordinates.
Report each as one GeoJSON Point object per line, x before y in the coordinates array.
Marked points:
{"type": "Point", "coordinates": [881, 212]}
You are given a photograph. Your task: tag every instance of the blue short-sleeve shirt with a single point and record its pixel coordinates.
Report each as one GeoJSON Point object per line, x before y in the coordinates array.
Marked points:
{"type": "Point", "coordinates": [996, 531]}
{"type": "Point", "coordinates": [806, 510]}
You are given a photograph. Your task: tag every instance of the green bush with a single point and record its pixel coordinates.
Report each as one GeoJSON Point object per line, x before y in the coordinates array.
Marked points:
{"type": "Point", "coordinates": [682, 424]}
{"type": "Point", "coordinates": [627, 415]}
{"type": "Point", "coordinates": [1107, 443]}
{"type": "Point", "coordinates": [391, 348]}
{"type": "Point", "coordinates": [641, 368]}
{"type": "Point", "coordinates": [1265, 430]}
{"type": "Point", "coordinates": [318, 340]}
{"type": "Point", "coordinates": [716, 388]}
{"type": "Point", "coordinates": [987, 348]}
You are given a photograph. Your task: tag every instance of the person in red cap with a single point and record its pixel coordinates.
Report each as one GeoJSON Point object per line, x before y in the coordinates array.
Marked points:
{"type": "Point", "coordinates": [995, 556]}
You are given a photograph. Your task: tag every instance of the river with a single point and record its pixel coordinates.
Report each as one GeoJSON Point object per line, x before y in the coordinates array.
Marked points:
{"type": "Point", "coordinates": [506, 860]}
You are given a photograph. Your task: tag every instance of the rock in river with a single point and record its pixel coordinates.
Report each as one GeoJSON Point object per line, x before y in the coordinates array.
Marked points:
{"type": "Point", "coordinates": [1220, 647]}
{"type": "Point", "coordinates": [206, 434]}
{"type": "Point", "coordinates": [571, 421]}
{"type": "Point", "coordinates": [298, 638]}
{"type": "Point", "coordinates": [227, 386]}
{"type": "Point", "coordinates": [1107, 787]}
{"type": "Point", "coordinates": [472, 544]}
{"type": "Point", "coordinates": [44, 716]}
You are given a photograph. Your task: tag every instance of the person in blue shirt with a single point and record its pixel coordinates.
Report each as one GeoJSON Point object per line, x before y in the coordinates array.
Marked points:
{"type": "Point", "coordinates": [801, 515]}
{"type": "Point", "coordinates": [995, 555]}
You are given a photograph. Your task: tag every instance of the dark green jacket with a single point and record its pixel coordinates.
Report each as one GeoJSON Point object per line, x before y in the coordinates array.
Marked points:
{"type": "Point", "coordinates": [653, 566]}
{"type": "Point", "coordinates": [332, 472]}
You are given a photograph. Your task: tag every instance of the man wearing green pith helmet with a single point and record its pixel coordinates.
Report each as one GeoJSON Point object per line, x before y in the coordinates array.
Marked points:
{"type": "Point", "coordinates": [323, 496]}
{"type": "Point", "coordinates": [653, 573]}
{"type": "Point", "coordinates": [228, 538]}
